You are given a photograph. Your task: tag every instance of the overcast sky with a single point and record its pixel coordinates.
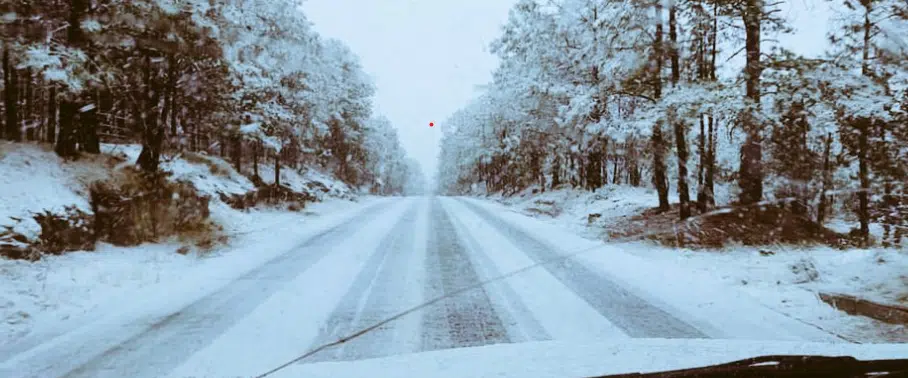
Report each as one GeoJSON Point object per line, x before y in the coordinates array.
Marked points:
{"type": "Point", "coordinates": [425, 56]}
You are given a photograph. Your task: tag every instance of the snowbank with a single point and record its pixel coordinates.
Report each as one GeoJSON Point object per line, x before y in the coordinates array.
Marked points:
{"type": "Point", "coordinates": [311, 181]}
{"type": "Point", "coordinates": [786, 281]}
{"type": "Point", "coordinates": [209, 175]}
{"type": "Point", "coordinates": [572, 208]}
{"type": "Point", "coordinates": [212, 175]}
{"type": "Point", "coordinates": [58, 292]}
{"type": "Point", "coordinates": [57, 288]}
{"type": "Point", "coordinates": [33, 178]}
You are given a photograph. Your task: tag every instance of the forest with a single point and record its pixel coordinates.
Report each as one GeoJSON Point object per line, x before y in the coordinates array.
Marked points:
{"type": "Point", "coordinates": [246, 80]}
{"type": "Point", "coordinates": [688, 96]}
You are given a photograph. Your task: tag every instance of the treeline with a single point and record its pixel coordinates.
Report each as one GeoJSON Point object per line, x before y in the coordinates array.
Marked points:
{"type": "Point", "coordinates": [249, 80]}
{"type": "Point", "coordinates": [652, 93]}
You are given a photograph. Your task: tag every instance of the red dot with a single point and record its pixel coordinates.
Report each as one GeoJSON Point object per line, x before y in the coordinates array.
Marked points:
{"type": "Point", "coordinates": [431, 124]}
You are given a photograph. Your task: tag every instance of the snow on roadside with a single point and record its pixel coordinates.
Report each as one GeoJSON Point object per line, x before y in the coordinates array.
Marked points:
{"type": "Point", "coordinates": [775, 283]}
{"type": "Point", "coordinates": [572, 208]}
{"type": "Point", "coordinates": [209, 175]}
{"type": "Point", "coordinates": [33, 178]}
{"type": "Point", "coordinates": [311, 181]}
{"type": "Point", "coordinates": [58, 288]}
{"type": "Point", "coordinates": [58, 293]}
{"type": "Point", "coordinates": [787, 281]}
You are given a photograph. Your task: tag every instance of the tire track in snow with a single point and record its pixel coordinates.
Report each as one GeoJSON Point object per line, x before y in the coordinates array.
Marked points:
{"type": "Point", "coordinates": [374, 296]}
{"type": "Point", "coordinates": [635, 316]}
{"type": "Point", "coordinates": [465, 320]}
{"type": "Point", "coordinates": [170, 340]}
{"type": "Point", "coordinates": [518, 319]}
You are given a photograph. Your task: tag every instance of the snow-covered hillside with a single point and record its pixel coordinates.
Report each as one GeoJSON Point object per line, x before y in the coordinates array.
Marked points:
{"type": "Point", "coordinates": [33, 178]}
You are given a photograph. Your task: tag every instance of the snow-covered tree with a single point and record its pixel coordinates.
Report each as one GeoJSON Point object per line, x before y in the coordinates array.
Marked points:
{"type": "Point", "coordinates": [589, 93]}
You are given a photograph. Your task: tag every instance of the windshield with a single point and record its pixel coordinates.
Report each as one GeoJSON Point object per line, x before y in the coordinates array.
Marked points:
{"type": "Point", "coordinates": [257, 188]}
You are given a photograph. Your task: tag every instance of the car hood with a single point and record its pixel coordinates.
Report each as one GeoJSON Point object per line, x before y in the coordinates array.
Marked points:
{"type": "Point", "coordinates": [580, 359]}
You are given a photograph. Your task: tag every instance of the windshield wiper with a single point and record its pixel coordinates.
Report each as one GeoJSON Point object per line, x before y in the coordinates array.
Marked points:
{"type": "Point", "coordinates": [788, 366]}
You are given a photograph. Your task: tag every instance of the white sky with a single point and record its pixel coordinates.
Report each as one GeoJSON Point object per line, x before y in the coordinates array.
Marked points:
{"type": "Point", "coordinates": [425, 56]}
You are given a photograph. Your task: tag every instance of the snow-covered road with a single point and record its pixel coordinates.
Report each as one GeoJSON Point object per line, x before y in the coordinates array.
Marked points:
{"type": "Point", "coordinates": [390, 257]}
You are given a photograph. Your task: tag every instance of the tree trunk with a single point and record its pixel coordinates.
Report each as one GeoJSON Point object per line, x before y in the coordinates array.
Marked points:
{"type": "Point", "coordinates": [173, 110]}
{"type": "Point", "coordinates": [66, 144]}
{"type": "Point", "coordinates": [29, 93]}
{"type": "Point", "coordinates": [238, 153]}
{"type": "Point", "coordinates": [714, 36]}
{"type": "Point", "coordinates": [659, 178]}
{"type": "Point", "coordinates": [864, 174]}
{"type": "Point", "coordinates": [677, 124]}
{"type": "Point", "coordinates": [681, 145]}
{"type": "Point", "coordinates": [88, 129]}
{"type": "Point", "coordinates": [701, 167]}
{"type": "Point", "coordinates": [255, 159]}
{"type": "Point", "coordinates": [67, 137]}
{"type": "Point", "coordinates": [89, 116]}
{"type": "Point", "coordinates": [165, 109]}
{"type": "Point", "coordinates": [751, 172]}
{"type": "Point", "coordinates": [11, 97]}
{"type": "Point", "coordinates": [616, 178]}
{"type": "Point", "coordinates": [658, 52]}
{"type": "Point", "coordinates": [827, 178]}
{"type": "Point", "coordinates": [51, 135]}
{"type": "Point", "coordinates": [673, 38]}
{"type": "Point", "coordinates": [277, 169]}
{"type": "Point", "coordinates": [593, 170]}
{"type": "Point", "coordinates": [153, 135]}
{"type": "Point", "coordinates": [709, 180]}
{"type": "Point", "coordinates": [864, 134]}
{"type": "Point", "coordinates": [556, 170]}
{"type": "Point", "coordinates": [658, 141]}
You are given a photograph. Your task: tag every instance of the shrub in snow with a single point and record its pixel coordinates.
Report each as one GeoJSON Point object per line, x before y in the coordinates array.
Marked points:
{"type": "Point", "coordinates": [804, 271]}
{"type": "Point", "coordinates": [73, 230]}
{"type": "Point", "coordinates": [147, 208]}
{"type": "Point", "coordinates": [271, 195]}
{"type": "Point", "coordinates": [16, 246]}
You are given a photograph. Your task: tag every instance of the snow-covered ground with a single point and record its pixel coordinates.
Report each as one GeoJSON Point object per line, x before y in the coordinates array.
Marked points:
{"type": "Point", "coordinates": [289, 282]}
{"type": "Point", "coordinates": [58, 289]}
{"type": "Point", "coordinates": [790, 279]}
{"type": "Point", "coordinates": [298, 181]}
{"type": "Point", "coordinates": [787, 280]}
{"type": "Point", "coordinates": [33, 178]}
{"type": "Point", "coordinates": [571, 208]}
{"type": "Point", "coordinates": [419, 274]}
